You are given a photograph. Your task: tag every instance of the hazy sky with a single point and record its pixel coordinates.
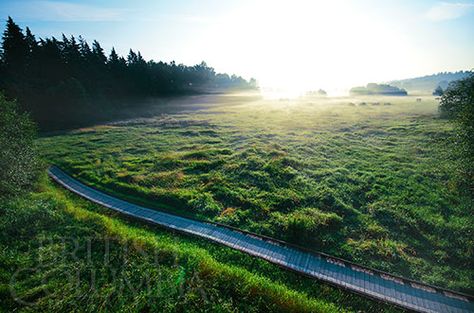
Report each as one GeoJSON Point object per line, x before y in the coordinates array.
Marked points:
{"type": "Point", "coordinates": [293, 44]}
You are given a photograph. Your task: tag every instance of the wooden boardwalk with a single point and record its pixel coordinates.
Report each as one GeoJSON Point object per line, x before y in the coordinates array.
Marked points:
{"type": "Point", "coordinates": [381, 286]}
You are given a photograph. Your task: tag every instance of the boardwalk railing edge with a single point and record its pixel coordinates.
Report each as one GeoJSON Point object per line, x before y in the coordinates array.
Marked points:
{"type": "Point", "coordinates": [329, 258]}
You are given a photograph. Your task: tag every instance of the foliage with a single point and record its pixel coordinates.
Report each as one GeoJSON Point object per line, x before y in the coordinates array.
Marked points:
{"type": "Point", "coordinates": [61, 253]}
{"type": "Point", "coordinates": [376, 89]}
{"type": "Point", "coordinates": [318, 93]}
{"type": "Point", "coordinates": [69, 79]}
{"type": "Point", "coordinates": [375, 184]}
{"type": "Point", "coordinates": [457, 103]}
{"type": "Point", "coordinates": [18, 159]}
{"type": "Point", "coordinates": [438, 91]}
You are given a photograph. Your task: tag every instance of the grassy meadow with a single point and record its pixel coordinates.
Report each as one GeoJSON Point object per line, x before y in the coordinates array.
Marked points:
{"type": "Point", "coordinates": [371, 180]}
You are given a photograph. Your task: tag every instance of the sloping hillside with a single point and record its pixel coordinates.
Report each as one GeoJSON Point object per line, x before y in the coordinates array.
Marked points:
{"type": "Point", "coordinates": [426, 84]}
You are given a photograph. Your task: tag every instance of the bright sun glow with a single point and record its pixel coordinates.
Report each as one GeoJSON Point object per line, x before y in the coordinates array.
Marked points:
{"type": "Point", "coordinates": [289, 46]}
{"type": "Point", "coordinates": [307, 45]}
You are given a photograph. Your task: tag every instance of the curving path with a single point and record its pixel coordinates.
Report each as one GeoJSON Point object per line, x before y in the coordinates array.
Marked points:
{"type": "Point", "coordinates": [384, 287]}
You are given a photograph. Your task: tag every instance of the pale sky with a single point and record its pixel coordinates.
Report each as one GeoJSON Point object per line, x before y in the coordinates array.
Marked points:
{"type": "Point", "coordinates": [293, 44]}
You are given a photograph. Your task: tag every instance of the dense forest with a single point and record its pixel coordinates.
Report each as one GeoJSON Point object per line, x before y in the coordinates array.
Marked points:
{"type": "Point", "coordinates": [66, 83]}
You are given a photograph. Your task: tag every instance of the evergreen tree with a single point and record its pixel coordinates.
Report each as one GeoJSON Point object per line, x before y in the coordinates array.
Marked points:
{"type": "Point", "coordinates": [117, 67]}
{"type": "Point", "coordinates": [31, 42]}
{"type": "Point", "coordinates": [14, 47]}
{"type": "Point", "coordinates": [84, 49]}
{"type": "Point", "coordinates": [438, 91]}
{"type": "Point", "coordinates": [72, 57]}
{"type": "Point", "coordinates": [132, 58]}
{"type": "Point", "coordinates": [113, 58]}
{"type": "Point", "coordinates": [98, 53]}
{"type": "Point", "coordinates": [140, 60]}
{"type": "Point", "coordinates": [51, 59]}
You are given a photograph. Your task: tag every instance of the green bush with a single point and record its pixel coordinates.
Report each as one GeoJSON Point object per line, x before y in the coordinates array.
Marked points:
{"type": "Point", "coordinates": [204, 203]}
{"type": "Point", "coordinates": [18, 160]}
{"type": "Point", "coordinates": [309, 225]}
{"type": "Point", "coordinates": [457, 103]}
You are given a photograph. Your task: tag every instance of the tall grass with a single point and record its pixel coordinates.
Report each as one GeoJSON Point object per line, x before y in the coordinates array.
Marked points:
{"type": "Point", "coordinates": [60, 253]}
{"type": "Point", "coordinates": [372, 183]}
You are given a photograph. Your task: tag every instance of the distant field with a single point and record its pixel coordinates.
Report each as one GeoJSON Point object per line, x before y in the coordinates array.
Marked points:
{"type": "Point", "coordinates": [372, 180]}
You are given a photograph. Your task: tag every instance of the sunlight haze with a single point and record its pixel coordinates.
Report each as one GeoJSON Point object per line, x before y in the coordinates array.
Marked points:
{"type": "Point", "coordinates": [287, 45]}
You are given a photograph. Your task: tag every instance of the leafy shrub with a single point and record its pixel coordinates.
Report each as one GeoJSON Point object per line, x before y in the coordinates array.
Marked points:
{"type": "Point", "coordinates": [309, 225]}
{"type": "Point", "coordinates": [18, 160]}
{"type": "Point", "coordinates": [204, 203]}
{"type": "Point", "coordinates": [457, 103]}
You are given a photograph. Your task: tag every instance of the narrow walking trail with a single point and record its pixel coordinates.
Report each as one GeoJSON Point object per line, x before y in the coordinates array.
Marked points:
{"type": "Point", "coordinates": [374, 284]}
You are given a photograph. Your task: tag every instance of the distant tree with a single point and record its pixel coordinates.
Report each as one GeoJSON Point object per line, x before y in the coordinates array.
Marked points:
{"type": "Point", "coordinates": [378, 89]}
{"type": "Point", "coordinates": [318, 93]}
{"type": "Point", "coordinates": [18, 160]}
{"type": "Point", "coordinates": [322, 92]}
{"type": "Point", "coordinates": [438, 91]}
{"type": "Point", "coordinates": [457, 103]}
{"type": "Point", "coordinates": [253, 83]}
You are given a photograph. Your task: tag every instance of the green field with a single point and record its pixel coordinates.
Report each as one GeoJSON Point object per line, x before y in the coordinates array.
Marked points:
{"type": "Point", "coordinates": [371, 180]}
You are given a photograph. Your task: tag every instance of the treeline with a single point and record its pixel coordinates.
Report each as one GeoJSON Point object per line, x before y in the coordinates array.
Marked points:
{"type": "Point", "coordinates": [70, 80]}
{"type": "Point", "coordinates": [378, 89]}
